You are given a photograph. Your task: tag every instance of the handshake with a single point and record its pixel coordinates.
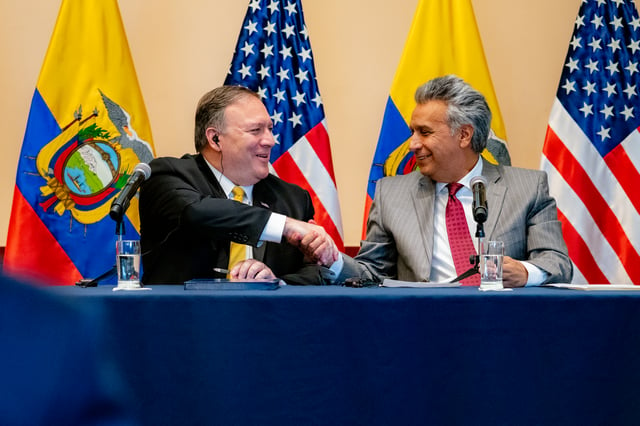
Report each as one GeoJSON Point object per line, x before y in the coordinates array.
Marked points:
{"type": "Point", "coordinates": [312, 239]}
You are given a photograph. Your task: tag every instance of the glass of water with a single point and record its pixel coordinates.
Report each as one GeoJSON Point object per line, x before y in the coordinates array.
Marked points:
{"type": "Point", "coordinates": [128, 263]}
{"type": "Point", "coordinates": [491, 258]}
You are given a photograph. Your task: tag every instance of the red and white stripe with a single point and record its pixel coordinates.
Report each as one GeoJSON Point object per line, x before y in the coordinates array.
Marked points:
{"type": "Point", "coordinates": [597, 203]}
{"type": "Point", "coordinates": [308, 164]}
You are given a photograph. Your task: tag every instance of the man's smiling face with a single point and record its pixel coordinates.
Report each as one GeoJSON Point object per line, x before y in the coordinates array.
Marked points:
{"type": "Point", "coordinates": [246, 141]}
{"type": "Point", "coordinates": [439, 154]}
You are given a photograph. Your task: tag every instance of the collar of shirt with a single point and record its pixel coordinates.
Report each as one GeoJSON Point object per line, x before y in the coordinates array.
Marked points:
{"type": "Point", "coordinates": [227, 185]}
{"type": "Point", "coordinates": [466, 179]}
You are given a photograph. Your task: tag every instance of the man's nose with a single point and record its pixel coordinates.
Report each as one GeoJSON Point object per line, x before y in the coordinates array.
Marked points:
{"type": "Point", "coordinates": [414, 143]}
{"type": "Point", "coordinates": [268, 138]}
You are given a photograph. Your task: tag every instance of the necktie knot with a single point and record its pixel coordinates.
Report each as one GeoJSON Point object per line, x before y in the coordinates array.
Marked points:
{"type": "Point", "coordinates": [454, 188]}
{"type": "Point", "coordinates": [238, 193]}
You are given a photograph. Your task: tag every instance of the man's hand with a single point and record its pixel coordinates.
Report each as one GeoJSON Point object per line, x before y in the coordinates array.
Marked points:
{"type": "Point", "coordinates": [251, 269]}
{"type": "Point", "coordinates": [514, 274]}
{"type": "Point", "coordinates": [319, 249]}
{"type": "Point", "coordinates": [312, 239]}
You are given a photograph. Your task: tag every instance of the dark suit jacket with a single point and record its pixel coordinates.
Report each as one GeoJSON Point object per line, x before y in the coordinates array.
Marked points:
{"type": "Point", "coordinates": [399, 241]}
{"type": "Point", "coordinates": [187, 223]}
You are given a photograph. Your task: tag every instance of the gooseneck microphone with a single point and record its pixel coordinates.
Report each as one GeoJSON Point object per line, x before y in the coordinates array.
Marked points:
{"type": "Point", "coordinates": [480, 209]}
{"type": "Point", "coordinates": [141, 172]}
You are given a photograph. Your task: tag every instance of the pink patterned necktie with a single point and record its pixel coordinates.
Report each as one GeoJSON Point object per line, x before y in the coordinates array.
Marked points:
{"type": "Point", "coordinates": [459, 236]}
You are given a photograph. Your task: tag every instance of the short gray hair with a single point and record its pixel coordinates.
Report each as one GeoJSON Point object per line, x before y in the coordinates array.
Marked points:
{"type": "Point", "coordinates": [211, 108]}
{"type": "Point", "coordinates": [465, 105]}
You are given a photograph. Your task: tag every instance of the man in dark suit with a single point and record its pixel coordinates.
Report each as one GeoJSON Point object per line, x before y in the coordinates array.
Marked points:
{"type": "Point", "coordinates": [407, 230]}
{"type": "Point", "coordinates": [189, 214]}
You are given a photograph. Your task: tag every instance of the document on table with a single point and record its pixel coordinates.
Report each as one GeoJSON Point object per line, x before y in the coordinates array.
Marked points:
{"type": "Point", "coordinates": [596, 287]}
{"type": "Point", "coordinates": [417, 284]}
{"type": "Point", "coordinates": [232, 284]}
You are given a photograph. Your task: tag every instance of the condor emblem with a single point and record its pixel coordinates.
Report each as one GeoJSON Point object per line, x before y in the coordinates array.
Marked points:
{"type": "Point", "coordinates": [86, 165]}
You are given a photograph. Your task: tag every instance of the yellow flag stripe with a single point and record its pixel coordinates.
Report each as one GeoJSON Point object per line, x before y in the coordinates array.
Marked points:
{"type": "Point", "coordinates": [444, 39]}
{"type": "Point", "coordinates": [79, 64]}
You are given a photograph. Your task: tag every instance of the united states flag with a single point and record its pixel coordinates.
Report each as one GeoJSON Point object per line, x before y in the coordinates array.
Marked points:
{"type": "Point", "coordinates": [273, 57]}
{"type": "Point", "coordinates": [592, 147]}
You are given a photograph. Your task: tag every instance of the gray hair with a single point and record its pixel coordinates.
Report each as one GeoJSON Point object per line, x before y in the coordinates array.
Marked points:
{"type": "Point", "coordinates": [211, 108]}
{"type": "Point", "coordinates": [465, 105]}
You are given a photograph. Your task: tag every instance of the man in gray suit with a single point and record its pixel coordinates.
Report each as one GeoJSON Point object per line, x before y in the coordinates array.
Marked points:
{"type": "Point", "coordinates": [407, 233]}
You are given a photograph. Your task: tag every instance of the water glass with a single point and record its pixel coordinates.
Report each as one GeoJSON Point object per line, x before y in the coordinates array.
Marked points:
{"type": "Point", "coordinates": [128, 263]}
{"type": "Point", "coordinates": [491, 259]}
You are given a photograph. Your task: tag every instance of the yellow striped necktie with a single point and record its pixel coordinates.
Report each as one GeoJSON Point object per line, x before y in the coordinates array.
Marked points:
{"type": "Point", "coordinates": [237, 252]}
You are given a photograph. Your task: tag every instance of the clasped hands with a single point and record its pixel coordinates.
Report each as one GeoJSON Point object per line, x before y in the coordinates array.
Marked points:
{"type": "Point", "coordinates": [312, 239]}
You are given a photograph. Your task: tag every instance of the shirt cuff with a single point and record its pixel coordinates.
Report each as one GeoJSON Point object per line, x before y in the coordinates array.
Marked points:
{"type": "Point", "coordinates": [536, 275]}
{"type": "Point", "coordinates": [336, 268]}
{"type": "Point", "coordinates": [274, 228]}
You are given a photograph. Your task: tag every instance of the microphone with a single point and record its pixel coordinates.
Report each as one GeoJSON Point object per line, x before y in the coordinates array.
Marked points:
{"type": "Point", "coordinates": [480, 209]}
{"type": "Point", "coordinates": [141, 172]}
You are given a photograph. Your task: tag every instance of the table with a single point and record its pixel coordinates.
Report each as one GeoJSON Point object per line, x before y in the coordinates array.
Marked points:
{"type": "Point", "coordinates": [376, 356]}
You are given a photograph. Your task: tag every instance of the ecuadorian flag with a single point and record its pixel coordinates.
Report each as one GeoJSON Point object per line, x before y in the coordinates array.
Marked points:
{"type": "Point", "coordinates": [87, 130]}
{"type": "Point", "coordinates": [443, 39]}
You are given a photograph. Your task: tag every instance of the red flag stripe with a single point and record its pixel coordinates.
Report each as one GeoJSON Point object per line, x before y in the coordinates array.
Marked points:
{"type": "Point", "coordinates": [580, 251]}
{"type": "Point", "coordinates": [319, 140]}
{"type": "Point", "coordinates": [574, 139]}
{"type": "Point", "coordinates": [577, 214]}
{"type": "Point", "coordinates": [367, 207]}
{"type": "Point", "coordinates": [585, 153]}
{"type": "Point", "coordinates": [576, 177]}
{"type": "Point", "coordinates": [625, 171]}
{"type": "Point", "coordinates": [318, 178]}
{"type": "Point", "coordinates": [39, 256]}
{"type": "Point", "coordinates": [289, 171]}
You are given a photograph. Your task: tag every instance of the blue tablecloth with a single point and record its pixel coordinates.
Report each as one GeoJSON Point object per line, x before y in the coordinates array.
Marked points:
{"type": "Point", "coordinates": [376, 356]}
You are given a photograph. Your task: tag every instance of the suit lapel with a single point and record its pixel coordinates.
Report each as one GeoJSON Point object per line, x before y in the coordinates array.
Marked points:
{"type": "Point", "coordinates": [208, 184]}
{"type": "Point", "coordinates": [496, 191]}
{"type": "Point", "coordinates": [214, 185]}
{"type": "Point", "coordinates": [263, 196]}
{"type": "Point", "coordinates": [423, 203]}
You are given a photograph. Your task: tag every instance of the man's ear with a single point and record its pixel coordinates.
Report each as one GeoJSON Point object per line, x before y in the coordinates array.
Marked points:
{"type": "Point", "coordinates": [465, 134]}
{"type": "Point", "coordinates": [213, 138]}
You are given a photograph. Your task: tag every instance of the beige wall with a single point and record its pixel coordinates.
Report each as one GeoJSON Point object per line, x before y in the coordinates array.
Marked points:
{"type": "Point", "coordinates": [183, 48]}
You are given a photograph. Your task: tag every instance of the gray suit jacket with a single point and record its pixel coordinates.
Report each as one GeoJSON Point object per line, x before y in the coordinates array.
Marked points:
{"type": "Point", "coordinates": [399, 241]}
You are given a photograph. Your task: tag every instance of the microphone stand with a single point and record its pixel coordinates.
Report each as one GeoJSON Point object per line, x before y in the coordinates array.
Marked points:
{"type": "Point", "coordinates": [93, 282]}
{"type": "Point", "coordinates": [480, 237]}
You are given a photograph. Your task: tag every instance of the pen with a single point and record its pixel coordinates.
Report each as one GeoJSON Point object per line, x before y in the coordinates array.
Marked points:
{"type": "Point", "coordinates": [221, 270]}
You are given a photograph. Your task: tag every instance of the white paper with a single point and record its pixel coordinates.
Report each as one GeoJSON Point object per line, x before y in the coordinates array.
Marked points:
{"type": "Point", "coordinates": [417, 284]}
